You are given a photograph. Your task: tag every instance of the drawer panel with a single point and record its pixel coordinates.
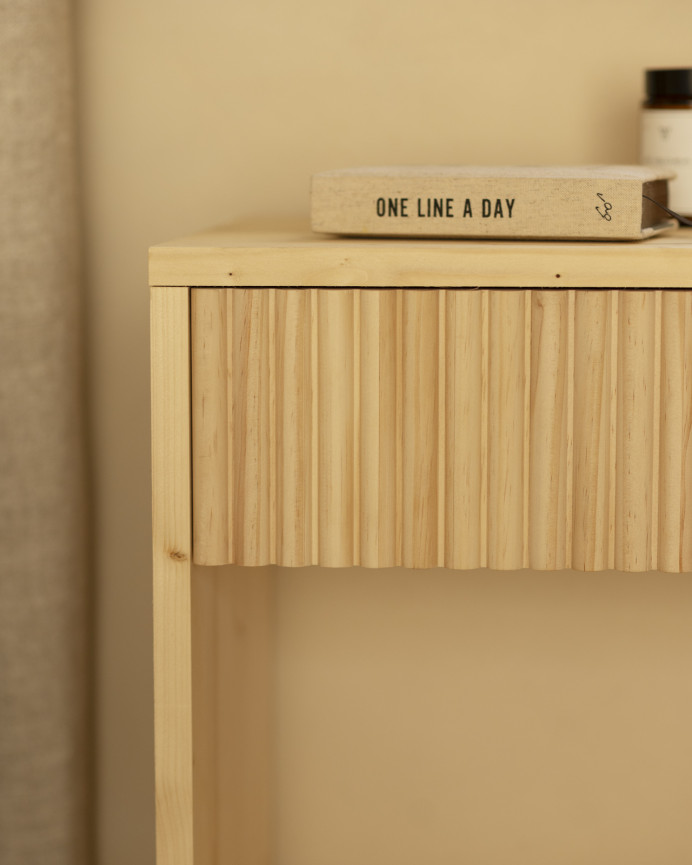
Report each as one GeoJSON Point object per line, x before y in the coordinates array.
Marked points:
{"type": "Point", "coordinates": [464, 428]}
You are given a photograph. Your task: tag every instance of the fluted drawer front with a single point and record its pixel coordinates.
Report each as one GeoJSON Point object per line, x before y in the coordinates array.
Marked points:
{"type": "Point", "coordinates": [499, 428]}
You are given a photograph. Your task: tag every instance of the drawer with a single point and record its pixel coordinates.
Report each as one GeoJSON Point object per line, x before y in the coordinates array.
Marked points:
{"type": "Point", "coordinates": [500, 428]}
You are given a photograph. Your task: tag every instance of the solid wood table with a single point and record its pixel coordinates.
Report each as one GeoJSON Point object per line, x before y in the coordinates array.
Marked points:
{"type": "Point", "coordinates": [332, 401]}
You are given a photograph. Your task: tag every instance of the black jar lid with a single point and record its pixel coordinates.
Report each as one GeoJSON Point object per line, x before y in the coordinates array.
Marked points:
{"type": "Point", "coordinates": [672, 84]}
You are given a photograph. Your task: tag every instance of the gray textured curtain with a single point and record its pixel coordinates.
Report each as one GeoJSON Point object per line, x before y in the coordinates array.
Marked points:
{"type": "Point", "coordinates": [44, 667]}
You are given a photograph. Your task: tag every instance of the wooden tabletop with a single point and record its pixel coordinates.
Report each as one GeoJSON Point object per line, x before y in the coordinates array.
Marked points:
{"type": "Point", "coordinates": [276, 255]}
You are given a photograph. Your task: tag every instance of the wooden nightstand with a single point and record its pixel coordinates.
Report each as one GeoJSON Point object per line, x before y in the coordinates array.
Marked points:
{"type": "Point", "coordinates": [422, 403]}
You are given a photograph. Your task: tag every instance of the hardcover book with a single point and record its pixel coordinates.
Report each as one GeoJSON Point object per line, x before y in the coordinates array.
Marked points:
{"type": "Point", "coordinates": [597, 202]}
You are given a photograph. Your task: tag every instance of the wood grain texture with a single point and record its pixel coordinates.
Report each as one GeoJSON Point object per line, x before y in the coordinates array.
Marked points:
{"type": "Point", "coordinates": [250, 334]}
{"type": "Point", "coordinates": [336, 427]}
{"type": "Point", "coordinates": [504, 428]}
{"type": "Point", "coordinates": [550, 437]}
{"type": "Point", "coordinates": [466, 428]}
{"type": "Point", "coordinates": [293, 427]}
{"type": "Point", "coordinates": [675, 489]}
{"type": "Point", "coordinates": [172, 554]}
{"type": "Point", "coordinates": [507, 423]}
{"type": "Point", "coordinates": [291, 255]}
{"type": "Point", "coordinates": [378, 428]}
{"type": "Point", "coordinates": [213, 627]}
{"type": "Point", "coordinates": [210, 425]}
{"type": "Point", "coordinates": [593, 351]}
{"type": "Point", "coordinates": [636, 384]}
{"type": "Point", "coordinates": [419, 434]}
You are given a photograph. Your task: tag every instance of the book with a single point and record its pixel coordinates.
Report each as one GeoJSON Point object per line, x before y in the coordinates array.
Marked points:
{"type": "Point", "coordinates": [596, 202]}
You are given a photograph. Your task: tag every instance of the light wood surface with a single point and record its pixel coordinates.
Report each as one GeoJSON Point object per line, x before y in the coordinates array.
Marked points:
{"type": "Point", "coordinates": [637, 387]}
{"type": "Point", "coordinates": [294, 427]}
{"type": "Point", "coordinates": [466, 427]}
{"type": "Point", "coordinates": [419, 434]}
{"type": "Point", "coordinates": [595, 350]}
{"type": "Point", "coordinates": [378, 428]}
{"type": "Point", "coordinates": [172, 555]}
{"type": "Point", "coordinates": [500, 428]}
{"type": "Point", "coordinates": [510, 426]}
{"type": "Point", "coordinates": [252, 408]}
{"type": "Point", "coordinates": [507, 428]}
{"type": "Point", "coordinates": [550, 431]}
{"type": "Point", "coordinates": [293, 256]}
{"type": "Point", "coordinates": [213, 628]}
{"type": "Point", "coordinates": [335, 390]}
{"type": "Point", "coordinates": [675, 492]}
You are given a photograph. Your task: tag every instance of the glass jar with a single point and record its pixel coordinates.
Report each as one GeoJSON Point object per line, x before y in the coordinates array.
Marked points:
{"type": "Point", "coordinates": [666, 131]}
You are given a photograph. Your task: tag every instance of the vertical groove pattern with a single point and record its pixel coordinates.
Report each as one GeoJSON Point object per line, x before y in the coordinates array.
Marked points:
{"type": "Point", "coordinates": [420, 432]}
{"type": "Point", "coordinates": [335, 426]}
{"type": "Point", "coordinates": [464, 500]}
{"type": "Point", "coordinates": [635, 433]}
{"type": "Point", "coordinates": [592, 388]}
{"type": "Point", "coordinates": [356, 450]}
{"type": "Point", "coordinates": [293, 428]}
{"type": "Point", "coordinates": [526, 425]}
{"type": "Point", "coordinates": [378, 433]}
{"type": "Point", "coordinates": [250, 333]}
{"type": "Point", "coordinates": [456, 428]}
{"type": "Point", "coordinates": [675, 466]}
{"type": "Point", "coordinates": [506, 418]}
{"type": "Point", "coordinates": [314, 418]}
{"type": "Point", "coordinates": [399, 360]}
{"type": "Point", "coordinates": [548, 438]}
{"type": "Point", "coordinates": [441, 387]}
{"type": "Point", "coordinates": [210, 363]}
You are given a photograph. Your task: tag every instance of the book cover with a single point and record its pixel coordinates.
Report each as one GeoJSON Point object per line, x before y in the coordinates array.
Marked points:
{"type": "Point", "coordinates": [597, 202]}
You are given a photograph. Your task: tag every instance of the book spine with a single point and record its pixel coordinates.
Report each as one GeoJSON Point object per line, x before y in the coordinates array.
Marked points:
{"type": "Point", "coordinates": [478, 207]}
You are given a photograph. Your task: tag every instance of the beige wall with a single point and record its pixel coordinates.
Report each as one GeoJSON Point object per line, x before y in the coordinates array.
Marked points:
{"type": "Point", "coordinates": [198, 113]}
